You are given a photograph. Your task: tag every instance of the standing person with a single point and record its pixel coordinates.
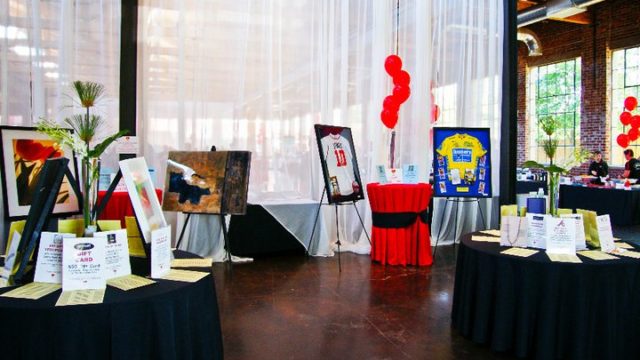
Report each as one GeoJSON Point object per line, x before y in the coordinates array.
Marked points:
{"type": "Point", "coordinates": [598, 166]}
{"type": "Point", "coordinates": [632, 167]}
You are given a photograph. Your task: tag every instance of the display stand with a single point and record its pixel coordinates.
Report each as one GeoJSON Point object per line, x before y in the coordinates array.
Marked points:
{"type": "Point", "coordinates": [315, 222]}
{"type": "Point", "coordinates": [455, 224]}
{"type": "Point", "coordinates": [225, 234]}
{"type": "Point", "coordinates": [46, 193]}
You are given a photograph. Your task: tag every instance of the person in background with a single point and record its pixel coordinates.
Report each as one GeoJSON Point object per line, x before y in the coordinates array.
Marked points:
{"type": "Point", "coordinates": [632, 167]}
{"type": "Point", "coordinates": [598, 166]}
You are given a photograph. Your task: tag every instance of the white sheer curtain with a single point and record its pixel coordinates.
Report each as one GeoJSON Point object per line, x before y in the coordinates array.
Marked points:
{"type": "Point", "coordinates": [467, 48]}
{"type": "Point", "coordinates": [47, 44]}
{"type": "Point", "coordinates": [256, 75]}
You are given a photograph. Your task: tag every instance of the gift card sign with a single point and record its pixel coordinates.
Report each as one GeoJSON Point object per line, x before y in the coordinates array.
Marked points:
{"type": "Point", "coordinates": [49, 263]}
{"type": "Point", "coordinates": [561, 235]}
{"type": "Point", "coordinates": [160, 252]}
{"type": "Point", "coordinates": [83, 264]}
{"type": "Point", "coordinates": [536, 230]}
{"type": "Point", "coordinates": [581, 239]}
{"type": "Point", "coordinates": [116, 253]}
{"type": "Point", "coordinates": [410, 174]}
{"type": "Point", "coordinates": [605, 233]}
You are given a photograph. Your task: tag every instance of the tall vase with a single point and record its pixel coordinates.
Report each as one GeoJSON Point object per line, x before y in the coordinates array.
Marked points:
{"type": "Point", "coordinates": [90, 169]}
{"type": "Point", "coordinates": [553, 185]}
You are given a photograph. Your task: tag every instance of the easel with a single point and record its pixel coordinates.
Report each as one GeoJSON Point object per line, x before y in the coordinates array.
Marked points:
{"type": "Point", "coordinates": [315, 222]}
{"type": "Point", "coordinates": [457, 201]}
{"type": "Point", "coordinates": [223, 223]}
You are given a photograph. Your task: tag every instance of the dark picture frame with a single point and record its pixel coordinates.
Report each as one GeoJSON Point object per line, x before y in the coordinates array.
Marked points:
{"type": "Point", "coordinates": [339, 162]}
{"type": "Point", "coordinates": [24, 152]}
{"type": "Point", "coordinates": [462, 162]}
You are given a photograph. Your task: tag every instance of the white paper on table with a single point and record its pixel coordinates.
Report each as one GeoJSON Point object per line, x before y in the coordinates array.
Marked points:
{"type": "Point", "coordinates": [561, 236]}
{"type": "Point", "coordinates": [116, 253]}
{"type": "Point", "coordinates": [160, 251]}
{"type": "Point", "coordinates": [382, 174]}
{"type": "Point", "coordinates": [581, 239]}
{"type": "Point", "coordinates": [513, 231]}
{"type": "Point", "coordinates": [537, 230]}
{"type": "Point", "coordinates": [410, 174]}
{"type": "Point", "coordinates": [10, 259]}
{"type": "Point", "coordinates": [394, 175]}
{"type": "Point", "coordinates": [605, 233]}
{"type": "Point", "coordinates": [49, 263]}
{"type": "Point", "coordinates": [83, 264]}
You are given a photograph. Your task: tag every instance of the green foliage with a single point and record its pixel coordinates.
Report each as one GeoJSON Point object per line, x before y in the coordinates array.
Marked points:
{"type": "Point", "coordinates": [88, 92]}
{"type": "Point", "coordinates": [549, 124]}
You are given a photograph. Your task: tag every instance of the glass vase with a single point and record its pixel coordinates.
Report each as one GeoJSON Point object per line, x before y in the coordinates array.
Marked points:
{"type": "Point", "coordinates": [90, 170]}
{"type": "Point", "coordinates": [553, 188]}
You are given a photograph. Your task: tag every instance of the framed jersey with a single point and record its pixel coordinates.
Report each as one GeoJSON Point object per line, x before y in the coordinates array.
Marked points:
{"type": "Point", "coordinates": [461, 162]}
{"type": "Point", "coordinates": [339, 164]}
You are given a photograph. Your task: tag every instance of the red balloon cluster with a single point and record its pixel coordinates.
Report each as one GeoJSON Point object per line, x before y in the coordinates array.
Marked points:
{"type": "Point", "coordinates": [626, 118]}
{"type": "Point", "coordinates": [401, 91]}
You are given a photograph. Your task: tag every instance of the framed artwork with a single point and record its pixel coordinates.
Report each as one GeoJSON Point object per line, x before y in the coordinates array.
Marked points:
{"type": "Point", "coordinates": [143, 196]}
{"type": "Point", "coordinates": [462, 162]}
{"type": "Point", "coordinates": [339, 164]}
{"type": "Point", "coordinates": [24, 152]}
{"type": "Point", "coordinates": [207, 182]}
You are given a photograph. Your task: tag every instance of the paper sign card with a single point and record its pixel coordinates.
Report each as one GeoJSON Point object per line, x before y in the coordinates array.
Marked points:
{"type": "Point", "coordinates": [10, 259]}
{"type": "Point", "coordinates": [581, 239]}
{"type": "Point", "coordinates": [491, 232]}
{"type": "Point", "coordinates": [567, 258]}
{"type": "Point", "coordinates": [561, 236]}
{"type": "Point", "coordinates": [116, 253]}
{"type": "Point", "coordinates": [410, 173]}
{"type": "Point", "coordinates": [536, 231]}
{"type": "Point", "coordinates": [32, 291]}
{"type": "Point", "coordinates": [394, 175]}
{"type": "Point", "coordinates": [49, 263]}
{"type": "Point", "coordinates": [513, 231]}
{"type": "Point", "coordinates": [485, 238]}
{"type": "Point", "coordinates": [597, 255]}
{"type": "Point", "coordinates": [81, 297]}
{"type": "Point", "coordinates": [160, 252]}
{"type": "Point", "coordinates": [605, 233]}
{"type": "Point", "coordinates": [184, 275]}
{"type": "Point", "coordinates": [381, 174]}
{"type": "Point", "coordinates": [521, 252]}
{"type": "Point", "coordinates": [83, 264]}
{"type": "Point", "coordinates": [129, 282]}
{"type": "Point", "coordinates": [197, 262]}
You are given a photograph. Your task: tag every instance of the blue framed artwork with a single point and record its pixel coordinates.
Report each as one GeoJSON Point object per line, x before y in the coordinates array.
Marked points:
{"type": "Point", "coordinates": [461, 162]}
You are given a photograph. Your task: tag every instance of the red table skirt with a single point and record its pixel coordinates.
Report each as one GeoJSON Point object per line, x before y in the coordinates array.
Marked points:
{"type": "Point", "coordinates": [409, 245]}
{"type": "Point", "coordinates": [119, 205]}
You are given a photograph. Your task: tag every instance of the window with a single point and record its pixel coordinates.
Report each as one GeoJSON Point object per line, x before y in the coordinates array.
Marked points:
{"type": "Point", "coordinates": [625, 81]}
{"type": "Point", "coordinates": [554, 90]}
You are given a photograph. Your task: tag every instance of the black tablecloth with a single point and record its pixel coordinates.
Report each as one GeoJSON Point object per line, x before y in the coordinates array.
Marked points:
{"type": "Point", "coordinates": [534, 307]}
{"type": "Point", "coordinates": [623, 206]}
{"type": "Point", "coordinates": [525, 187]}
{"type": "Point", "coordinates": [257, 234]}
{"type": "Point", "coordinates": [167, 320]}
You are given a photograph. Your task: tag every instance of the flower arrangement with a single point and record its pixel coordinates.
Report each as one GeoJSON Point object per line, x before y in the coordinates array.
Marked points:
{"type": "Point", "coordinates": [85, 127]}
{"type": "Point", "coordinates": [549, 125]}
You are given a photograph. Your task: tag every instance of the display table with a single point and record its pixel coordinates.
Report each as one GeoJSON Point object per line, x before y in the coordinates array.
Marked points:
{"type": "Point", "coordinates": [527, 186]}
{"type": "Point", "coordinates": [400, 233]}
{"type": "Point", "coordinates": [119, 205]}
{"type": "Point", "coordinates": [166, 320]}
{"type": "Point", "coordinates": [623, 206]}
{"type": "Point", "coordinates": [537, 308]}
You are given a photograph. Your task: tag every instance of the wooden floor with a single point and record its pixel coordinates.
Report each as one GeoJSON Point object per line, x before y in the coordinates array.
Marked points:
{"type": "Point", "coordinates": [291, 307]}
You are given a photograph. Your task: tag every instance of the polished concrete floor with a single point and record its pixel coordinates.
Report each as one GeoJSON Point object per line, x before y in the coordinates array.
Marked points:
{"type": "Point", "coordinates": [291, 307]}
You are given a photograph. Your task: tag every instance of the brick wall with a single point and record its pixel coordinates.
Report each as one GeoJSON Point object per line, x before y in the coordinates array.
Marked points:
{"type": "Point", "coordinates": [614, 24]}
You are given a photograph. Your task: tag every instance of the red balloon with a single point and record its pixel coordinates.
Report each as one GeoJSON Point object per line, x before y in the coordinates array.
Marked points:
{"type": "Point", "coordinates": [391, 103]}
{"type": "Point", "coordinates": [393, 64]}
{"type": "Point", "coordinates": [635, 121]}
{"type": "Point", "coordinates": [633, 134]}
{"type": "Point", "coordinates": [625, 118]}
{"type": "Point", "coordinates": [389, 118]}
{"type": "Point", "coordinates": [623, 140]}
{"type": "Point", "coordinates": [401, 93]}
{"type": "Point", "coordinates": [402, 78]}
{"type": "Point", "coordinates": [630, 103]}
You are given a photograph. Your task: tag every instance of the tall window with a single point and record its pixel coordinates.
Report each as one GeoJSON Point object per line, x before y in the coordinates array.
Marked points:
{"type": "Point", "coordinates": [554, 90]}
{"type": "Point", "coordinates": [625, 81]}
